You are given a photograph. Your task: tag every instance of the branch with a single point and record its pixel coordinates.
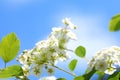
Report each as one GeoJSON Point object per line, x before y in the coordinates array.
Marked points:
{"type": "Point", "coordinates": [65, 71]}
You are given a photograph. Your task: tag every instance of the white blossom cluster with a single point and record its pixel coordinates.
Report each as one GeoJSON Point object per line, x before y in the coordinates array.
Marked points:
{"type": "Point", "coordinates": [48, 52]}
{"type": "Point", "coordinates": [106, 60]}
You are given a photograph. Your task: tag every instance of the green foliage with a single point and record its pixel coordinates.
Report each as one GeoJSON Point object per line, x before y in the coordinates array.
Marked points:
{"type": "Point", "coordinates": [9, 47]}
{"type": "Point", "coordinates": [100, 75]}
{"type": "Point", "coordinates": [79, 78]}
{"type": "Point", "coordinates": [80, 51]}
{"type": "Point", "coordinates": [72, 64]}
{"type": "Point", "coordinates": [115, 23]}
{"type": "Point", "coordinates": [115, 76]}
{"type": "Point", "coordinates": [61, 79]}
{"type": "Point", "coordinates": [11, 71]}
{"type": "Point", "coordinates": [86, 76]}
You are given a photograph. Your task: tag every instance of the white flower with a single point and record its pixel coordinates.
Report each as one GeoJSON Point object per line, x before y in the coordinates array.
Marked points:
{"type": "Point", "coordinates": [110, 71]}
{"type": "Point", "coordinates": [49, 51]}
{"type": "Point", "coordinates": [26, 69]}
{"type": "Point", "coordinates": [91, 64]}
{"type": "Point", "coordinates": [48, 78]}
{"type": "Point", "coordinates": [64, 56]}
{"type": "Point", "coordinates": [50, 70]}
{"type": "Point", "coordinates": [23, 57]}
{"type": "Point", "coordinates": [106, 59]}
{"type": "Point", "coordinates": [37, 70]}
{"type": "Point", "coordinates": [71, 35]}
{"type": "Point", "coordinates": [67, 22]}
{"type": "Point", "coordinates": [41, 44]}
{"type": "Point", "coordinates": [55, 29]}
{"type": "Point", "coordinates": [101, 65]}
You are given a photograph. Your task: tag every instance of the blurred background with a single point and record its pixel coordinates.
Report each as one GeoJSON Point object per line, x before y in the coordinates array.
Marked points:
{"type": "Point", "coordinates": [32, 21]}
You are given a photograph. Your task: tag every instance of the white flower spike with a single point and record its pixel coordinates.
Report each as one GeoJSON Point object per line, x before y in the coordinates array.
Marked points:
{"type": "Point", "coordinates": [48, 52]}
{"type": "Point", "coordinates": [106, 60]}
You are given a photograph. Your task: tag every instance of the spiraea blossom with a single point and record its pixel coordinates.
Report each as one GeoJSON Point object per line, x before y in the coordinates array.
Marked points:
{"type": "Point", "coordinates": [67, 22]}
{"type": "Point", "coordinates": [48, 52]}
{"type": "Point", "coordinates": [106, 60]}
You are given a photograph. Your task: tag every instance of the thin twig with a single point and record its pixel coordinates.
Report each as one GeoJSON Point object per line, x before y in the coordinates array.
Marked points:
{"type": "Point", "coordinates": [69, 50]}
{"type": "Point", "coordinates": [65, 71]}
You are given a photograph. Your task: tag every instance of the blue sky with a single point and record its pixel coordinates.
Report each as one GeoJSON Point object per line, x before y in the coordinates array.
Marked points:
{"type": "Point", "coordinates": [32, 21]}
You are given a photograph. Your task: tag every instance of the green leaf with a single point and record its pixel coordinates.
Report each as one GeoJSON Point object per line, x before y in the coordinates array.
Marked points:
{"type": "Point", "coordinates": [61, 79]}
{"type": "Point", "coordinates": [115, 23]}
{"type": "Point", "coordinates": [11, 71]}
{"type": "Point", "coordinates": [80, 51]}
{"type": "Point", "coordinates": [114, 76]}
{"type": "Point", "coordinates": [79, 78]}
{"type": "Point", "coordinates": [100, 75]}
{"type": "Point", "coordinates": [87, 75]}
{"type": "Point", "coordinates": [72, 64]}
{"type": "Point", "coordinates": [90, 74]}
{"type": "Point", "coordinates": [9, 47]}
